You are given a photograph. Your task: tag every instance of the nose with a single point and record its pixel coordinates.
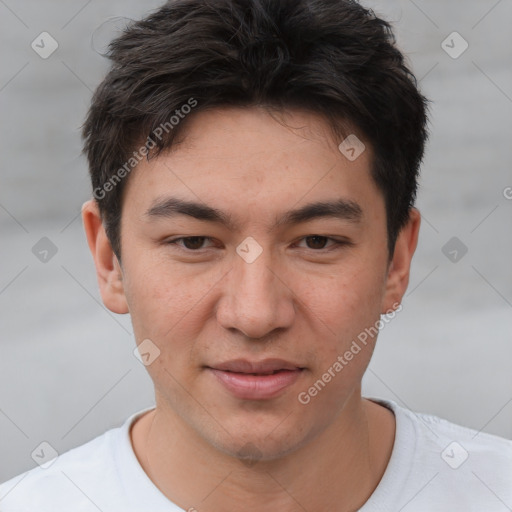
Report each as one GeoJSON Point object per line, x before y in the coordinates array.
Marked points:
{"type": "Point", "coordinates": [257, 298]}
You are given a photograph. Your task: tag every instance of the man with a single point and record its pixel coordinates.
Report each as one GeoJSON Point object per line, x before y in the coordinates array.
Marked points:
{"type": "Point", "coordinates": [254, 168]}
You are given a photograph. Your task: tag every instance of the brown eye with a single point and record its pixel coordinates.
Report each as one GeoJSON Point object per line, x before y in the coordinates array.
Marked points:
{"type": "Point", "coordinates": [316, 241]}
{"type": "Point", "coordinates": [322, 244]}
{"type": "Point", "coordinates": [190, 243]}
{"type": "Point", "coordinates": [193, 242]}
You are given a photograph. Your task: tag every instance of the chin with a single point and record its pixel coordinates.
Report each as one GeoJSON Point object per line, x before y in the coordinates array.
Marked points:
{"type": "Point", "coordinates": [261, 442]}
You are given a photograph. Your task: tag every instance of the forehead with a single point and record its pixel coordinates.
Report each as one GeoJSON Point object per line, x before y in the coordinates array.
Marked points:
{"type": "Point", "coordinates": [241, 159]}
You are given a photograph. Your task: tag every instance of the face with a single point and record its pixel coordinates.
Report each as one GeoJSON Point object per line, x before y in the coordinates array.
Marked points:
{"type": "Point", "coordinates": [252, 295]}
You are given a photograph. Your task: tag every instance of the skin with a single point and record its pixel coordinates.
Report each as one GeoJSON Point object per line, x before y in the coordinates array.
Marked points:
{"type": "Point", "coordinates": [300, 300]}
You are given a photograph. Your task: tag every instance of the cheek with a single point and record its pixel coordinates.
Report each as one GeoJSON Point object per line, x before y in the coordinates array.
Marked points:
{"type": "Point", "coordinates": [170, 306]}
{"type": "Point", "coordinates": [167, 310]}
{"type": "Point", "coordinates": [344, 302]}
{"type": "Point", "coordinates": [347, 305]}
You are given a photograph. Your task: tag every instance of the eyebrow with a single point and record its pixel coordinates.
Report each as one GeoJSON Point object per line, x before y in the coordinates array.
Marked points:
{"type": "Point", "coordinates": [340, 209]}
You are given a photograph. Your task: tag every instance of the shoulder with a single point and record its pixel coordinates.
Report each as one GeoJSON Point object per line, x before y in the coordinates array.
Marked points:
{"type": "Point", "coordinates": [455, 461]}
{"type": "Point", "coordinates": [462, 442]}
{"type": "Point", "coordinates": [72, 480]}
{"type": "Point", "coordinates": [433, 431]}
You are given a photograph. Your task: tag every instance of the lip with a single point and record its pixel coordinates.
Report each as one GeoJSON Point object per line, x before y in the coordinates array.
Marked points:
{"type": "Point", "coordinates": [256, 380]}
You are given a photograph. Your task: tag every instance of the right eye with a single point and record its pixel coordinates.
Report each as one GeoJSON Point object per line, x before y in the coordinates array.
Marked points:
{"type": "Point", "coordinates": [189, 243]}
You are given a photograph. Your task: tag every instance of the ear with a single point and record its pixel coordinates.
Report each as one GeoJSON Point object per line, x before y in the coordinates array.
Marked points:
{"type": "Point", "coordinates": [108, 268]}
{"type": "Point", "coordinates": [400, 265]}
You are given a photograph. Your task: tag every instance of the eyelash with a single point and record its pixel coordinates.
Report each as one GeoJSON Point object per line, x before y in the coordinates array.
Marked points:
{"type": "Point", "coordinates": [336, 243]}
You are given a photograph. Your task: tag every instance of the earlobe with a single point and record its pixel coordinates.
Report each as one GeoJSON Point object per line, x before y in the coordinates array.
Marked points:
{"type": "Point", "coordinates": [400, 265]}
{"type": "Point", "coordinates": [108, 269]}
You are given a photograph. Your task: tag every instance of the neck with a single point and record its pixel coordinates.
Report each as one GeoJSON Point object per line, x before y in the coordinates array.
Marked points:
{"type": "Point", "coordinates": [337, 470]}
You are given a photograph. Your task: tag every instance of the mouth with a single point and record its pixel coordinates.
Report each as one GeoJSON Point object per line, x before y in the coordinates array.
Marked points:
{"type": "Point", "coordinates": [259, 373]}
{"type": "Point", "coordinates": [256, 380]}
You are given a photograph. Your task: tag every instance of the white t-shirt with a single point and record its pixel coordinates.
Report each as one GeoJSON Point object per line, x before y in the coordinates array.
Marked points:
{"type": "Point", "coordinates": [435, 466]}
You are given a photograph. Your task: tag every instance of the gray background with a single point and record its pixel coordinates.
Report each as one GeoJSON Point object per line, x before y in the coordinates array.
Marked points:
{"type": "Point", "coordinates": [67, 371]}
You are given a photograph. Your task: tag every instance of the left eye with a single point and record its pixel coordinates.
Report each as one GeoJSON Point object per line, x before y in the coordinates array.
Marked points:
{"type": "Point", "coordinates": [318, 242]}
